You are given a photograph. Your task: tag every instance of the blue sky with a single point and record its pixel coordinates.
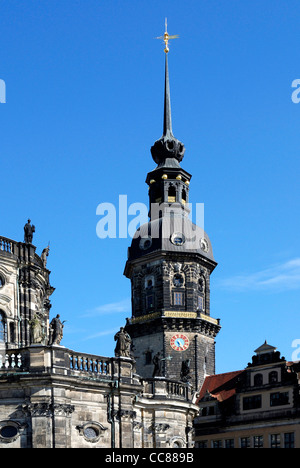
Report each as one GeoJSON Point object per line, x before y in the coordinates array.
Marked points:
{"type": "Point", "coordinates": [84, 103]}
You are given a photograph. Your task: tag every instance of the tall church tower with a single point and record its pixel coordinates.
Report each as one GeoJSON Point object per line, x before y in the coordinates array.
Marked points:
{"type": "Point", "coordinates": [169, 264]}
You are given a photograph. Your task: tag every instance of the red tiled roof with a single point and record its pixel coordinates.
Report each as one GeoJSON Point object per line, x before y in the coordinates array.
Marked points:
{"type": "Point", "coordinates": [220, 386]}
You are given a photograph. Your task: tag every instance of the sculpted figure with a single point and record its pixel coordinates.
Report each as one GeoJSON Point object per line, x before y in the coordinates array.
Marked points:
{"type": "Point", "coordinates": [28, 232]}
{"type": "Point", "coordinates": [123, 346]}
{"type": "Point", "coordinates": [36, 330]}
{"type": "Point", "coordinates": [157, 365]}
{"type": "Point", "coordinates": [56, 330]}
{"type": "Point", "coordinates": [44, 256]}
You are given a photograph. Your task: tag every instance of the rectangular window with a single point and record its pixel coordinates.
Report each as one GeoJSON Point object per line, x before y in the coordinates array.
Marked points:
{"type": "Point", "coordinates": [217, 444]}
{"type": "Point", "coordinates": [275, 440]}
{"type": "Point", "coordinates": [258, 442]}
{"type": "Point", "coordinates": [148, 358]}
{"type": "Point", "coordinates": [253, 402]}
{"type": "Point", "coordinates": [200, 303]}
{"type": "Point", "coordinates": [245, 442]}
{"type": "Point", "coordinates": [229, 443]}
{"type": "Point", "coordinates": [178, 298]}
{"type": "Point", "coordinates": [279, 398]}
{"type": "Point", "coordinates": [149, 302]}
{"type": "Point", "coordinates": [201, 444]}
{"type": "Point", "coordinates": [289, 440]}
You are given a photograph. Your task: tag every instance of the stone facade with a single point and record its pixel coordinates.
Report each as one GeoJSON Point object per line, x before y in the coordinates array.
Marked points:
{"type": "Point", "coordinates": [53, 397]}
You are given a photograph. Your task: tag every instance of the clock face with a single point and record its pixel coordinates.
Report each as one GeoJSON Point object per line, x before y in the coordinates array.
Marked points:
{"type": "Point", "coordinates": [179, 342]}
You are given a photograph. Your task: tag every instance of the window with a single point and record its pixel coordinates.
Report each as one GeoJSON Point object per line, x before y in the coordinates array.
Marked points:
{"type": "Point", "coordinates": [245, 442]}
{"type": "Point", "coordinates": [200, 303]}
{"type": "Point", "coordinates": [250, 403]}
{"type": "Point", "coordinates": [229, 443]}
{"type": "Point", "coordinates": [149, 301]}
{"type": "Point", "coordinates": [201, 444]}
{"type": "Point", "coordinates": [9, 432]}
{"type": "Point", "coordinates": [1, 281]}
{"type": "Point", "coordinates": [258, 442]}
{"type": "Point", "coordinates": [178, 298]}
{"type": "Point", "coordinates": [289, 440]}
{"type": "Point", "coordinates": [275, 440]}
{"type": "Point", "coordinates": [279, 398]}
{"type": "Point", "coordinates": [12, 336]}
{"type": "Point", "coordinates": [148, 357]}
{"type": "Point", "coordinates": [171, 194]}
{"type": "Point", "coordinates": [217, 444]}
{"type": "Point", "coordinates": [177, 238]}
{"type": "Point", "coordinates": [273, 377]}
{"type": "Point", "coordinates": [3, 334]}
{"type": "Point", "coordinates": [149, 282]}
{"type": "Point", "coordinates": [258, 380]}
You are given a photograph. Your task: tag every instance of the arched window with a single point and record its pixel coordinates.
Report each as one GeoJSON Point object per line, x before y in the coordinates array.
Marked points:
{"type": "Point", "coordinates": [3, 332]}
{"type": "Point", "coordinates": [171, 194]}
{"type": "Point", "coordinates": [183, 198]}
{"type": "Point", "coordinates": [258, 380]}
{"type": "Point", "coordinates": [201, 294]}
{"type": "Point", "coordinates": [273, 377]}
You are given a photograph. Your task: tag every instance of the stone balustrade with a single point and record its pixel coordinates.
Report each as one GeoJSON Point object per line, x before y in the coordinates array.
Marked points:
{"type": "Point", "coordinates": [10, 361]}
{"type": "Point", "coordinates": [87, 363]}
{"type": "Point", "coordinates": [7, 245]}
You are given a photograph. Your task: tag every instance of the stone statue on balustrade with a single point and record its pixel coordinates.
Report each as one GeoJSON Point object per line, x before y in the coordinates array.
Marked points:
{"type": "Point", "coordinates": [44, 256]}
{"type": "Point", "coordinates": [36, 330]}
{"type": "Point", "coordinates": [123, 346]}
{"type": "Point", "coordinates": [157, 362]}
{"type": "Point", "coordinates": [29, 229]}
{"type": "Point", "coordinates": [56, 331]}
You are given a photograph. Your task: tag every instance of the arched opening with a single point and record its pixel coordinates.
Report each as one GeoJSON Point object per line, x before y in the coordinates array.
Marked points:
{"type": "Point", "coordinates": [171, 194]}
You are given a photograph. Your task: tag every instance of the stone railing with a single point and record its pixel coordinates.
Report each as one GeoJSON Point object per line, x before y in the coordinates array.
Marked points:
{"type": "Point", "coordinates": [87, 363]}
{"type": "Point", "coordinates": [11, 361]}
{"type": "Point", "coordinates": [7, 245]}
{"type": "Point", "coordinates": [165, 388]}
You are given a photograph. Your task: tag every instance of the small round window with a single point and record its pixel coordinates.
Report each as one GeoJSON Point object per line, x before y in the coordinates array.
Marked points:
{"type": "Point", "coordinates": [145, 243]}
{"type": "Point", "coordinates": [8, 432]}
{"type": "Point", "coordinates": [90, 433]}
{"type": "Point", "coordinates": [177, 239]}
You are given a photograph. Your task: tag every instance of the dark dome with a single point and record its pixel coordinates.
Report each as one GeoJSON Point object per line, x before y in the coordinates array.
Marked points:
{"type": "Point", "coordinates": [176, 234]}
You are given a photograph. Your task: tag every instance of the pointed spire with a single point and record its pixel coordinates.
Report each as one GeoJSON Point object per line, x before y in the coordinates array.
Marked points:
{"type": "Point", "coordinates": [167, 150]}
{"type": "Point", "coordinates": [167, 107]}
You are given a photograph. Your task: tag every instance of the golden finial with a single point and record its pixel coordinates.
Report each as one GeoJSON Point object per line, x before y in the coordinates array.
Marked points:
{"type": "Point", "coordinates": [166, 37]}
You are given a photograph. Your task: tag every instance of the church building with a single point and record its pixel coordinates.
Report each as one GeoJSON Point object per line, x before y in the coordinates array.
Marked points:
{"type": "Point", "coordinates": [145, 396]}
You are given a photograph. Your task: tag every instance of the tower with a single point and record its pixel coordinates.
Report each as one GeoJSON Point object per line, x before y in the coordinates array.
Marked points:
{"type": "Point", "coordinates": [170, 261]}
{"type": "Point", "coordinates": [25, 292]}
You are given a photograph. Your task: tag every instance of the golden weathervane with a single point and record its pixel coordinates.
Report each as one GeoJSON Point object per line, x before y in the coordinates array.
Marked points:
{"type": "Point", "coordinates": [166, 37]}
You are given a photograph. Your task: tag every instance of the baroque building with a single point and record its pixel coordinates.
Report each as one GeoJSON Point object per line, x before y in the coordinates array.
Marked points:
{"type": "Point", "coordinates": [258, 407]}
{"type": "Point", "coordinates": [144, 396]}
